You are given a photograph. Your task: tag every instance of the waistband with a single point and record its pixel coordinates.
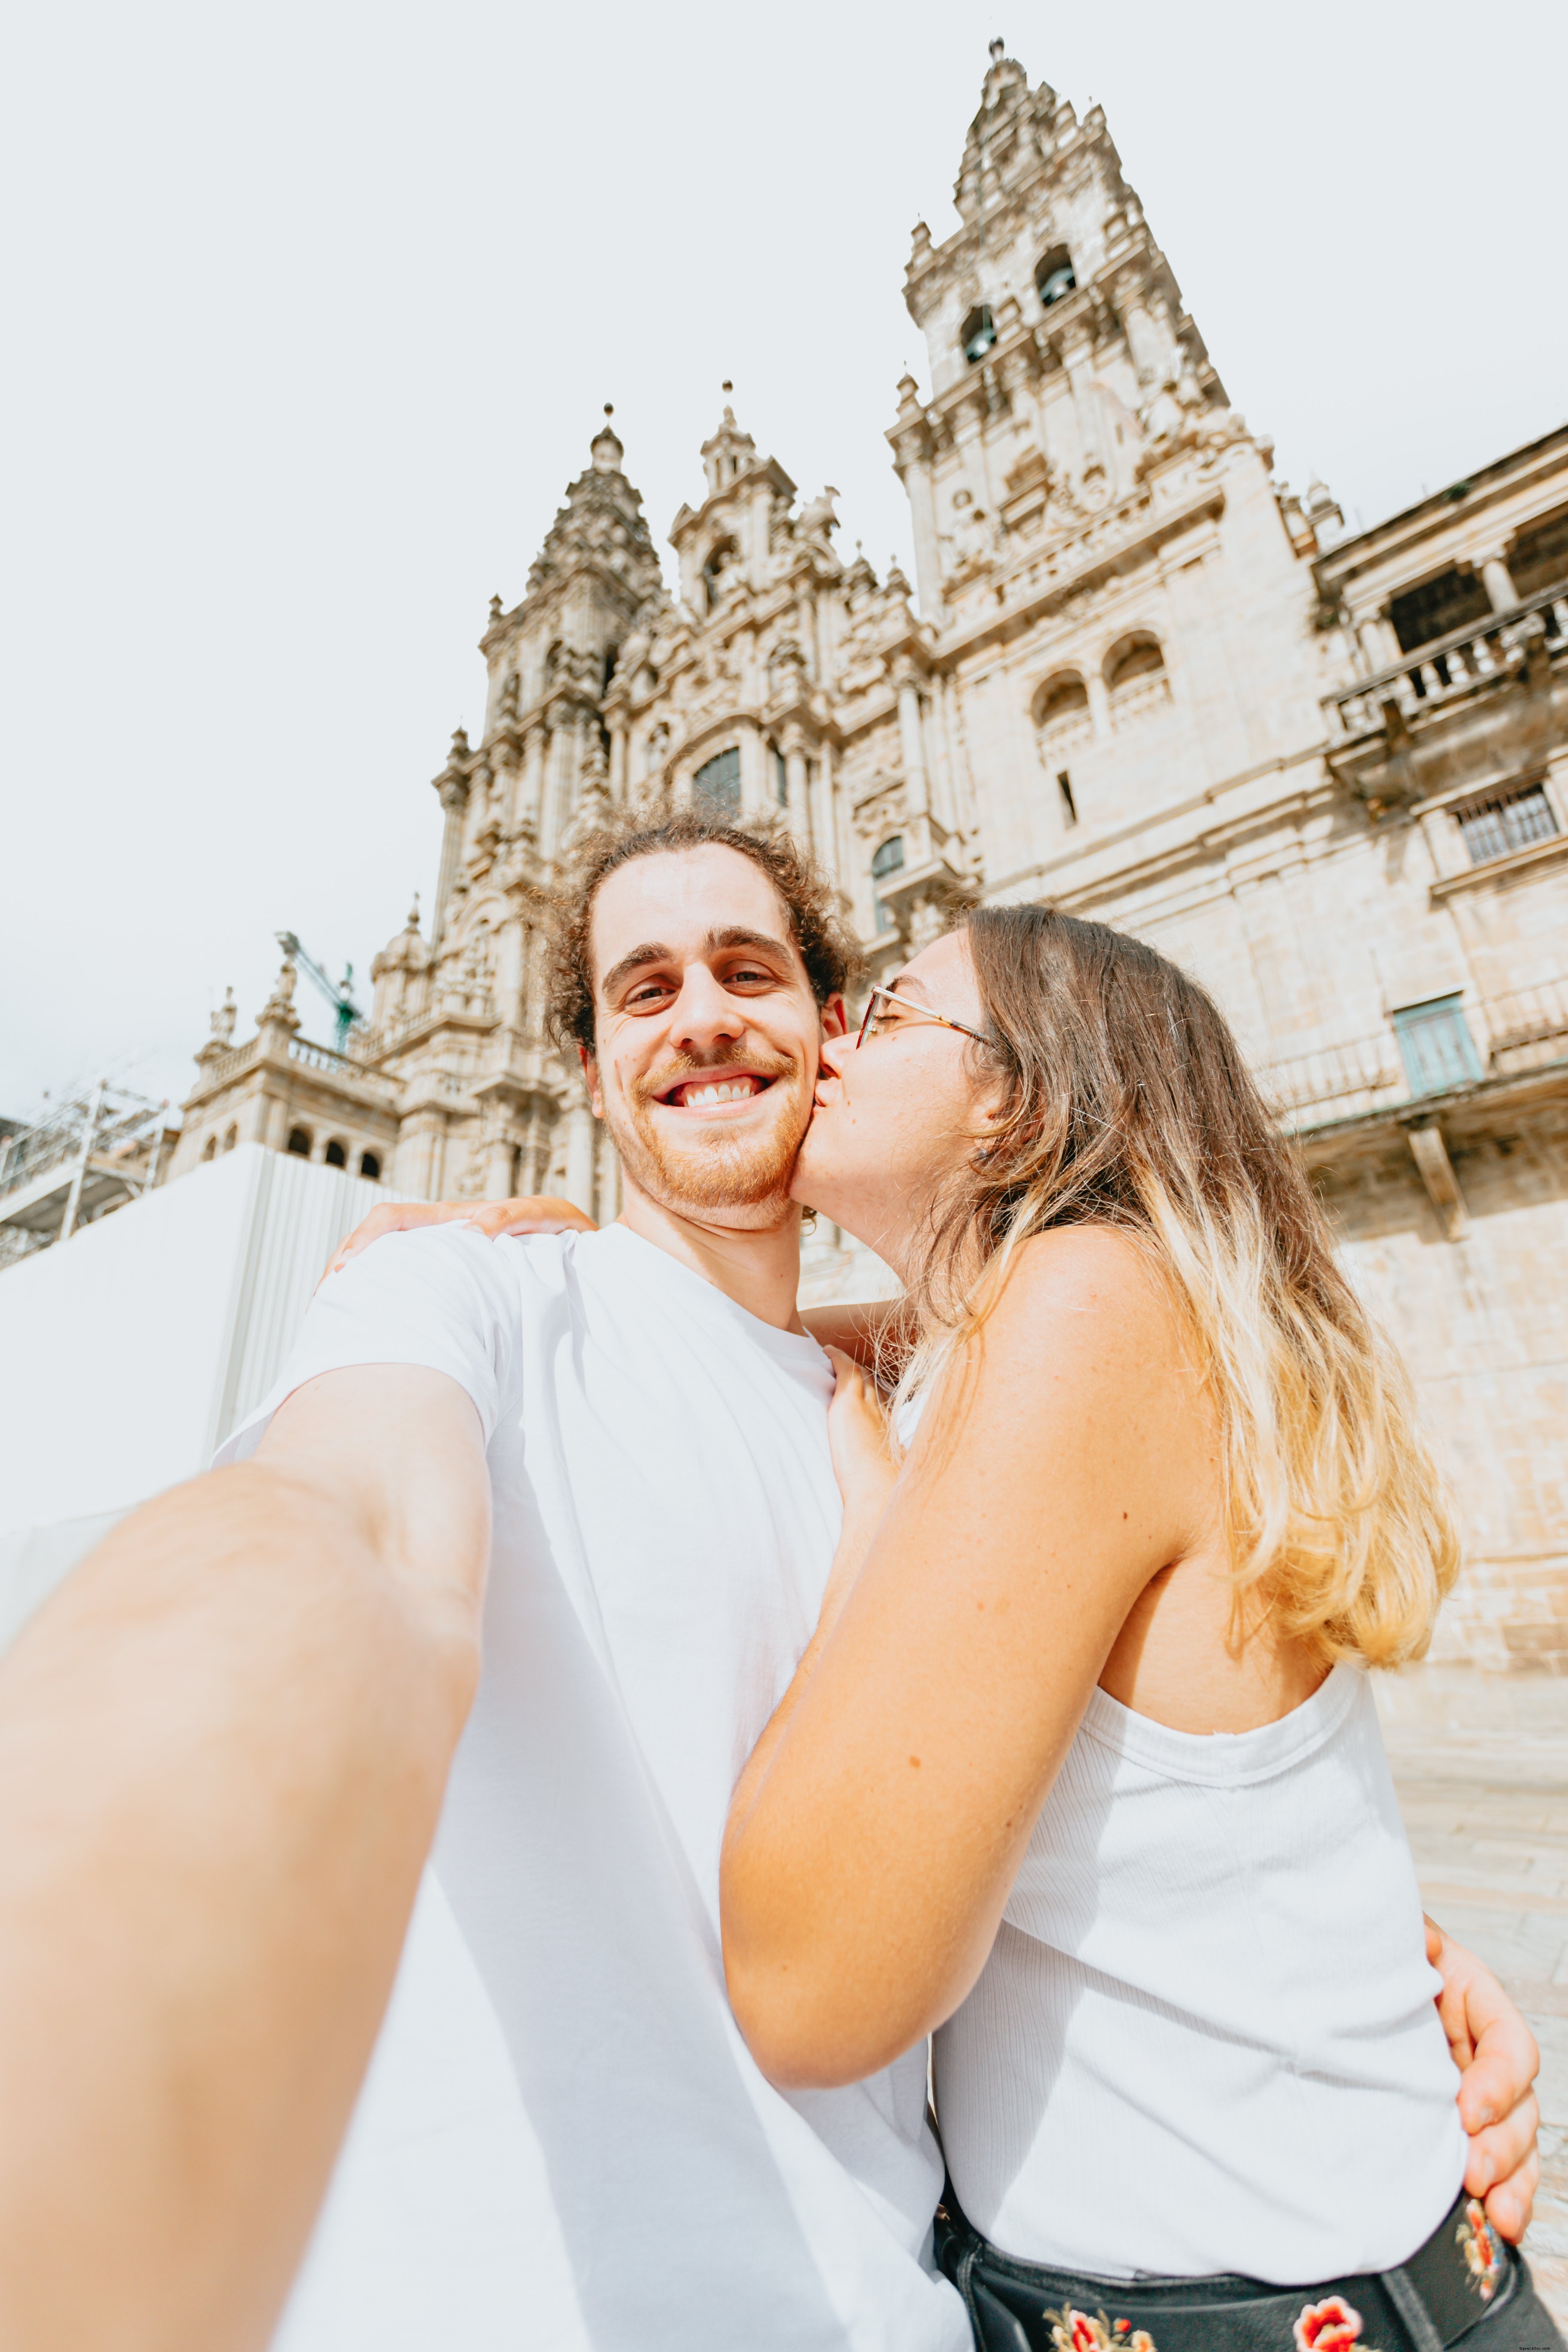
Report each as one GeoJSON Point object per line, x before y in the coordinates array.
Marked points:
{"type": "Point", "coordinates": [1463, 2273]}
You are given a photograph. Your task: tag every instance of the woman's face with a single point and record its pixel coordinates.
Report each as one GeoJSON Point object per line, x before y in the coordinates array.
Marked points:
{"type": "Point", "coordinates": [900, 1110]}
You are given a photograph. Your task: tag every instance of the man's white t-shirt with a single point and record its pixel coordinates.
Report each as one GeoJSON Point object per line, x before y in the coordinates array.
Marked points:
{"type": "Point", "coordinates": [603, 2165]}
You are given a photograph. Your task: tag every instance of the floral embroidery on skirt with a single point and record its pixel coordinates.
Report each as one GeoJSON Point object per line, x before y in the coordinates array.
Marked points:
{"type": "Point", "coordinates": [1483, 2256]}
{"type": "Point", "coordinates": [1329, 2326]}
{"type": "Point", "coordinates": [1077, 2331]}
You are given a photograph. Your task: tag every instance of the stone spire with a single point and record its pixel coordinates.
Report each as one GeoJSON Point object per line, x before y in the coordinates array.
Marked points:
{"type": "Point", "coordinates": [1008, 139]}
{"type": "Point", "coordinates": [602, 522]}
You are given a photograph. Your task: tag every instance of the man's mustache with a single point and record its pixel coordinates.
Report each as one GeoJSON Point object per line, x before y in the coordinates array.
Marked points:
{"type": "Point", "coordinates": [655, 1083]}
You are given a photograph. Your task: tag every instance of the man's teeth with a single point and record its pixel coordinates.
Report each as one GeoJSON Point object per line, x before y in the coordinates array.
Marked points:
{"type": "Point", "coordinates": [722, 1090]}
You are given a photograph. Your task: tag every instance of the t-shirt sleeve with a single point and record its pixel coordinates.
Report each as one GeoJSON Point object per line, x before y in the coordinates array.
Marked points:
{"type": "Point", "coordinates": [443, 1297]}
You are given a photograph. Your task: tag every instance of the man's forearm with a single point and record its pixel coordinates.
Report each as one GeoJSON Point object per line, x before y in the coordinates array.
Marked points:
{"type": "Point", "coordinates": [223, 1749]}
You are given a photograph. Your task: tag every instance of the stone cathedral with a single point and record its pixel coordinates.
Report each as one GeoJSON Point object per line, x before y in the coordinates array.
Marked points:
{"type": "Point", "coordinates": [1134, 676]}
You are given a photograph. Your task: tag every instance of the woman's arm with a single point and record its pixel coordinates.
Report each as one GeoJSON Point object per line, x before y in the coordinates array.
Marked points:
{"type": "Point", "coordinates": [866, 1865]}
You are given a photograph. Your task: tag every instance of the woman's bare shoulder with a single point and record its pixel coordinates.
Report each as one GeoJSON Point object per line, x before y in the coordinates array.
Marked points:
{"type": "Point", "coordinates": [1089, 1294]}
{"type": "Point", "coordinates": [1085, 1267]}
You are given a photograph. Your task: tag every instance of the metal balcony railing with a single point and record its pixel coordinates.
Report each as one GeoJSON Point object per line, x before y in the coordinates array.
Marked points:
{"type": "Point", "coordinates": [1487, 653]}
{"type": "Point", "coordinates": [1523, 1029]}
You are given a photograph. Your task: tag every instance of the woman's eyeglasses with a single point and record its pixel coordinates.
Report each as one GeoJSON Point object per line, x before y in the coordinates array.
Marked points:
{"type": "Point", "coordinates": [876, 1020]}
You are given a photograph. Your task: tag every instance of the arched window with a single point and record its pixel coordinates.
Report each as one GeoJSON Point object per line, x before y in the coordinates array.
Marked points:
{"type": "Point", "coordinates": [716, 786]}
{"type": "Point", "coordinates": [209, 1149]}
{"type": "Point", "coordinates": [781, 777]}
{"type": "Point", "coordinates": [1135, 680]}
{"type": "Point", "coordinates": [977, 334]}
{"type": "Point", "coordinates": [299, 1142]}
{"type": "Point", "coordinates": [1061, 717]}
{"type": "Point", "coordinates": [370, 1166]}
{"type": "Point", "coordinates": [887, 859]}
{"type": "Point", "coordinates": [1055, 276]}
{"type": "Point", "coordinates": [230, 1136]}
{"type": "Point", "coordinates": [335, 1156]}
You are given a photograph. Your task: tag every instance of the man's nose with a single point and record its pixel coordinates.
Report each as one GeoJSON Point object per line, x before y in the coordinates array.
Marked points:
{"type": "Point", "coordinates": [835, 1052]}
{"type": "Point", "coordinates": [705, 1013]}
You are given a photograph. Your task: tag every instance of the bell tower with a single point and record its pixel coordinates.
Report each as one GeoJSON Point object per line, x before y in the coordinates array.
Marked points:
{"type": "Point", "coordinates": [1054, 330]}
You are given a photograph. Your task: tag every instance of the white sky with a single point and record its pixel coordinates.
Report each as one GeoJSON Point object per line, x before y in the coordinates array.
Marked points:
{"type": "Point", "coordinates": [311, 310]}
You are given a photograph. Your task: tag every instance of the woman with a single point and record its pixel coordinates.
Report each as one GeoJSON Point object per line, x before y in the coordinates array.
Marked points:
{"type": "Point", "coordinates": [1082, 1773]}
{"type": "Point", "coordinates": [1078, 1770]}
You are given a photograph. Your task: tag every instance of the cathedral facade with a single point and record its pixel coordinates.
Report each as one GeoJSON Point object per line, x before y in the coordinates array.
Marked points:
{"type": "Point", "coordinates": [1135, 676]}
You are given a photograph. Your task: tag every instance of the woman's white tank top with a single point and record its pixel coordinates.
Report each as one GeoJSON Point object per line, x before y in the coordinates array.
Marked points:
{"type": "Point", "coordinates": [1205, 2038]}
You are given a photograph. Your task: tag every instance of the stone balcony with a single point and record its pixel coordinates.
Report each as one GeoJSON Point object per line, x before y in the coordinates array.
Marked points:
{"type": "Point", "coordinates": [1469, 708]}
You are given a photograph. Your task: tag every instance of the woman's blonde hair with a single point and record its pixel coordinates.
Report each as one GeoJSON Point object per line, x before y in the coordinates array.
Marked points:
{"type": "Point", "coordinates": [1125, 1102]}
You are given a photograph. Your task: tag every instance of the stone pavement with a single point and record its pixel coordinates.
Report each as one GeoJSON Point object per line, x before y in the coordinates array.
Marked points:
{"type": "Point", "coordinates": [1483, 1782]}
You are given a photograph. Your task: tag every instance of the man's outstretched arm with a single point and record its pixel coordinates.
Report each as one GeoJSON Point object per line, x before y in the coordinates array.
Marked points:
{"type": "Point", "coordinates": [223, 1745]}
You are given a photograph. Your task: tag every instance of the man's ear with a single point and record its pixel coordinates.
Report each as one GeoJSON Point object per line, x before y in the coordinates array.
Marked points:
{"type": "Point", "coordinates": [835, 1018]}
{"type": "Point", "coordinates": [591, 1080]}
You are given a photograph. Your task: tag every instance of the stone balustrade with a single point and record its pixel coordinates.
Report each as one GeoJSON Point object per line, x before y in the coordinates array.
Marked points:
{"type": "Point", "coordinates": [1486, 653]}
{"type": "Point", "coordinates": [343, 1072]}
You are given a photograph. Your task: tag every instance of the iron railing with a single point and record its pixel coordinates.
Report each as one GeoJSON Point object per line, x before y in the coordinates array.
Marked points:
{"type": "Point", "coordinates": [1521, 1029]}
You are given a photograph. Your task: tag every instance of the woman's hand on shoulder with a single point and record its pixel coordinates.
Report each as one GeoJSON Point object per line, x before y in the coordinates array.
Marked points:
{"type": "Point", "coordinates": [532, 1212]}
{"type": "Point", "coordinates": [858, 1439]}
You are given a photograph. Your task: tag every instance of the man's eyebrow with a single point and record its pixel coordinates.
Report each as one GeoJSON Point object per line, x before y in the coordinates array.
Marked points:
{"type": "Point", "coordinates": [737, 935]}
{"type": "Point", "coordinates": [652, 952]}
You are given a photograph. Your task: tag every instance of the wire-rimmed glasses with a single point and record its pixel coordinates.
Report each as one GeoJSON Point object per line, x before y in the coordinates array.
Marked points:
{"type": "Point", "coordinates": [911, 1010]}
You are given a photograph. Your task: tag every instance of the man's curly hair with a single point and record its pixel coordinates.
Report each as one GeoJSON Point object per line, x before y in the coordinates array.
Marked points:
{"type": "Point", "coordinates": [831, 960]}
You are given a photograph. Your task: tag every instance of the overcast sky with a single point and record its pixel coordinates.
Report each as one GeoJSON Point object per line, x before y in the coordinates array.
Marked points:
{"type": "Point", "coordinates": [311, 310]}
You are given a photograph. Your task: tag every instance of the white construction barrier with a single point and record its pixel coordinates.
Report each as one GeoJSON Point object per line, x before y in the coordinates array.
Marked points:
{"type": "Point", "coordinates": [128, 1353]}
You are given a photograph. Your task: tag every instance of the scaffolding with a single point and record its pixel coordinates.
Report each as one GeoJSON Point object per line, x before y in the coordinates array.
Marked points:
{"type": "Point", "coordinates": [87, 1158]}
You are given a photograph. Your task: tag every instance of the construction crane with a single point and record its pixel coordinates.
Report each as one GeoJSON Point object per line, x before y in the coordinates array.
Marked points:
{"type": "Point", "coordinates": [345, 1012]}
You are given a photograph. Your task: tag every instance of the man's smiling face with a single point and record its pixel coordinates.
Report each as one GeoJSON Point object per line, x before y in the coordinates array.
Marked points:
{"type": "Point", "coordinates": [706, 1034]}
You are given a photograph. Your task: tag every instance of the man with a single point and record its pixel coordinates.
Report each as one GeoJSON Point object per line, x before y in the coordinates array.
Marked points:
{"type": "Point", "coordinates": [645, 1418]}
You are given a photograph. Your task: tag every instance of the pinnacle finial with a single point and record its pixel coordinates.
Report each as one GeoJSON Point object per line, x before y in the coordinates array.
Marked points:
{"type": "Point", "coordinates": [998, 49]}
{"type": "Point", "coordinates": [413, 922]}
{"type": "Point", "coordinates": [726, 385]}
{"type": "Point", "coordinates": [609, 407]}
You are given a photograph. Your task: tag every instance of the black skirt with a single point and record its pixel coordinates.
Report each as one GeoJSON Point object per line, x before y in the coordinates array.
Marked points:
{"type": "Point", "coordinates": [1464, 2285]}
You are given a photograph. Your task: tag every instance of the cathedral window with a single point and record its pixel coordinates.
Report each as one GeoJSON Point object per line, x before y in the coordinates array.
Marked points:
{"type": "Point", "coordinates": [230, 1136]}
{"type": "Point", "coordinates": [1054, 276]}
{"type": "Point", "coordinates": [781, 778]}
{"type": "Point", "coordinates": [209, 1149]}
{"type": "Point", "coordinates": [1454, 600]}
{"type": "Point", "coordinates": [1061, 716]}
{"type": "Point", "coordinates": [1135, 680]}
{"type": "Point", "coordinates": [1069, 806]}
{"type": "Point", "coordinates": [336, 1155]}
{"type": "Point", "coordinates": [978, 334]}
{"type": "Point", "coordinates": [299, 1142]}
{"type": "Point", "coordinates": [370, 1166]}
{"type": "Point", "coordinates": [887, 859]}
{"type": "Point", "coordinates": [716, 786]}
{"type": "Point", "coordinates": [1497, 824]}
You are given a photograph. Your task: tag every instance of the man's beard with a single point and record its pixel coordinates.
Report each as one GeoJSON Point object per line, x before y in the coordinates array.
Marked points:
{"type": "Point", "coordinates": [716, 1170]}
